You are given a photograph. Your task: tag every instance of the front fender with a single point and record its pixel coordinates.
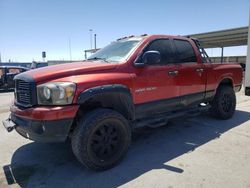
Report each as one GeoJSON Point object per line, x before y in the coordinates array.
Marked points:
{"type": "Point", "coordinates": [114, 96]}
{"type": "Point", "coordinates": [105, 89]}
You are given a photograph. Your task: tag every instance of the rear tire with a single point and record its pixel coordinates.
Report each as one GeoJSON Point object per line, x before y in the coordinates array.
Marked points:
{"type": "Point", "coordinates": [101, 139]}
{"type": "Point", "coordinates": [224, 103]}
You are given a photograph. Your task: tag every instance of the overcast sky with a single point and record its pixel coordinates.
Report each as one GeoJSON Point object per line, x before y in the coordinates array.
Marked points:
{"type": "Point", "coordinates": [28, 27]}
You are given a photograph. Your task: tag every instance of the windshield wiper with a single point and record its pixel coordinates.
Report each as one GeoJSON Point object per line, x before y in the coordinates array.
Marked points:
{"type": "Point", "coordinates": [99, 58]}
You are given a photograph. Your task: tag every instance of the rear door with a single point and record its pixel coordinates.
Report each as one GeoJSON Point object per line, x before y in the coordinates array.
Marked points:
{"type": "Point", "coordinates": [191, 73]}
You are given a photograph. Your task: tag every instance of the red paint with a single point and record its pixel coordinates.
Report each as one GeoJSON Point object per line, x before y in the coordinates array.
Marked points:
{"type": "Point", "coordinates": [46, 113]}
{"type": "Point", "coordinates": [91, 74]}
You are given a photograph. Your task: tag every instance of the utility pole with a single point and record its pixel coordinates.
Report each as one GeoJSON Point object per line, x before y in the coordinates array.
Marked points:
{"type": "Point", "coordinates": [222, 54]}
{"type": "Point", "coordinates": [70, 55]}
{"type": "Point", "coordinates": [0, 58]}
{"type": "Point", "coordinates": [90, 33]}
{"type": "Point", "coordinates": [95, 41]}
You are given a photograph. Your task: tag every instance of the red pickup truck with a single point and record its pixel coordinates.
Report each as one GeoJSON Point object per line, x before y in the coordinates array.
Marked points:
{"type": "Point", "coordinates": [133, 82]}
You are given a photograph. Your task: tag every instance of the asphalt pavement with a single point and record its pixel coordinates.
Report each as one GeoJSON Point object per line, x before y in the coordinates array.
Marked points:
{"type": "Point", "coordinates": [195, 152]}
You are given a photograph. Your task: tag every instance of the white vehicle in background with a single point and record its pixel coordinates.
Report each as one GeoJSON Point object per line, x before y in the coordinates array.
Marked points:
{"type": "Point", "coordinates": [247, 68]}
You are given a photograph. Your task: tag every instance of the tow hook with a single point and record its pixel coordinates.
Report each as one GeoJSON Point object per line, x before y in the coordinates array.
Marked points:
{"type": "Point", "coordinates": [9, 124]}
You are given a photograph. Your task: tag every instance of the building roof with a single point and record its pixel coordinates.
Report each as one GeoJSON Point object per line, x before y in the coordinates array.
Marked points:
{"type": "Point", "coordinates": [223, 38]}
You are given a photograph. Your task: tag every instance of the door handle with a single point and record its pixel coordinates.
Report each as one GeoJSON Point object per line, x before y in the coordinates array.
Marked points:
{"type": "Point", "coordinates": [173, 73]}
{"type": "Point", "coordinates": [200, 70]}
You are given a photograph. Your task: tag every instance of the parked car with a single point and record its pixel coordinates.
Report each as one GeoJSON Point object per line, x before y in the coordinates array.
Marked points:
{"type": "Point", "coordinates": [133, 82]}
{"type": "Point", "coordinates": [7, 73]}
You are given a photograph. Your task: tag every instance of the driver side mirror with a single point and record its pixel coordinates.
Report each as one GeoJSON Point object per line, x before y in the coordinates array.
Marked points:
{"type": "Point", "coordinates": [149, 58]}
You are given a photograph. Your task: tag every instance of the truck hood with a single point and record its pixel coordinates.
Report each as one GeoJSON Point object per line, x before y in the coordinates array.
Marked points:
{"type": "Point", "coordinates": [69, 69]}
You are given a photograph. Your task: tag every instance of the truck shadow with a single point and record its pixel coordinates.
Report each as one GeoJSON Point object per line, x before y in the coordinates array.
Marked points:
{"type": "Point", "coordinates": [53, 165]}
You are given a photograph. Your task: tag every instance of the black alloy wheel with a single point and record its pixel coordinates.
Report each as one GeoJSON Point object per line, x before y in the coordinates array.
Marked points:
{"type": "Point", "coordinates": [101, 139]}
{"type": "Point", "coordinates": [224, 102]}
{"type": "Point", "coordinates": [106, 141]}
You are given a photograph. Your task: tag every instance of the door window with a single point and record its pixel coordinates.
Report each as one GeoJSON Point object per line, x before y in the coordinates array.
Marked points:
{"type": "Point", "coordinates": [164, 47]}
{"type": "Point", "coordinates": [185, 51]}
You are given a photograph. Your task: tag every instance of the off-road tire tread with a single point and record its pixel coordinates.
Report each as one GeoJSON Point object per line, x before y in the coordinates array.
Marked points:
{"type": "Point", "coordinates": [215, 109]}
{"type": "Point", "coordinates": [84, 127]}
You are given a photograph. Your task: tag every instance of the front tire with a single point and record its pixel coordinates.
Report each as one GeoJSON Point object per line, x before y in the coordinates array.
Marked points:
{"type": "Point", "coordinates": [101, 139]}
{"type": "Point", "coordinates": [224, 103]}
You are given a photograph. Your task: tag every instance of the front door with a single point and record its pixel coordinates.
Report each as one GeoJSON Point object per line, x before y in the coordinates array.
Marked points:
{"type": "Point", "coordinates": [156, 88]}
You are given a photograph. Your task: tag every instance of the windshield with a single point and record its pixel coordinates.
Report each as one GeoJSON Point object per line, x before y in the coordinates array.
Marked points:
{"type": "Point", "coordinates": [116, 51]}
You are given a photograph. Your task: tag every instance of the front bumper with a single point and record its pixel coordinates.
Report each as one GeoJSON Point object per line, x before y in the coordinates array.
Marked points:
{"type": "Point", "coordinates": [42, 124]}
{"type": "Point", "coordinates": [45, 113]}
{"type": "Point", "coordinates": [41, 131]}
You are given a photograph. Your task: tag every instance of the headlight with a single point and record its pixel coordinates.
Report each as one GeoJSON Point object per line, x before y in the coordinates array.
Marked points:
{"type": "Point", "coordinates": [46, 93]}
{"type": "Point", "coordinates": [56, 93]}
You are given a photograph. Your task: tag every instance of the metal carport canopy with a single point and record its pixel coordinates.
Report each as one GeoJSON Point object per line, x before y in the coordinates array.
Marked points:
{"type": "Point", "coordinates": [223, 38]}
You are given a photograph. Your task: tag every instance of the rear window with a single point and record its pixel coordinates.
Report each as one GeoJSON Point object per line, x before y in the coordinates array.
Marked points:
{"type": "Point", "coordinates": [185, 51]}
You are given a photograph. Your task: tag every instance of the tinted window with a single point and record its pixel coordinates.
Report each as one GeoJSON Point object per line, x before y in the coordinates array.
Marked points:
{"type": "Point", "coordinates": [14, 70]}
{"type": "Point", "coordinates": [1, 76]}
{"type": "Point", "coordinates": [164, 47]}
{"type": "Point", "coordinates": [1, 72]}
{"type": "Point", "coordinates": [185, 51]}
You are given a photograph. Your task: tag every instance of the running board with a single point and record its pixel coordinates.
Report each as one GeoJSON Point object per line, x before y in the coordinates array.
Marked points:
{"type": "Point", "coordinates": [162, 119]}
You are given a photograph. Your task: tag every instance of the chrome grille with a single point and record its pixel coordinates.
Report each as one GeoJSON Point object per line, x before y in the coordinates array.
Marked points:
{"type": "Point", "coordinates": [23, 93]}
